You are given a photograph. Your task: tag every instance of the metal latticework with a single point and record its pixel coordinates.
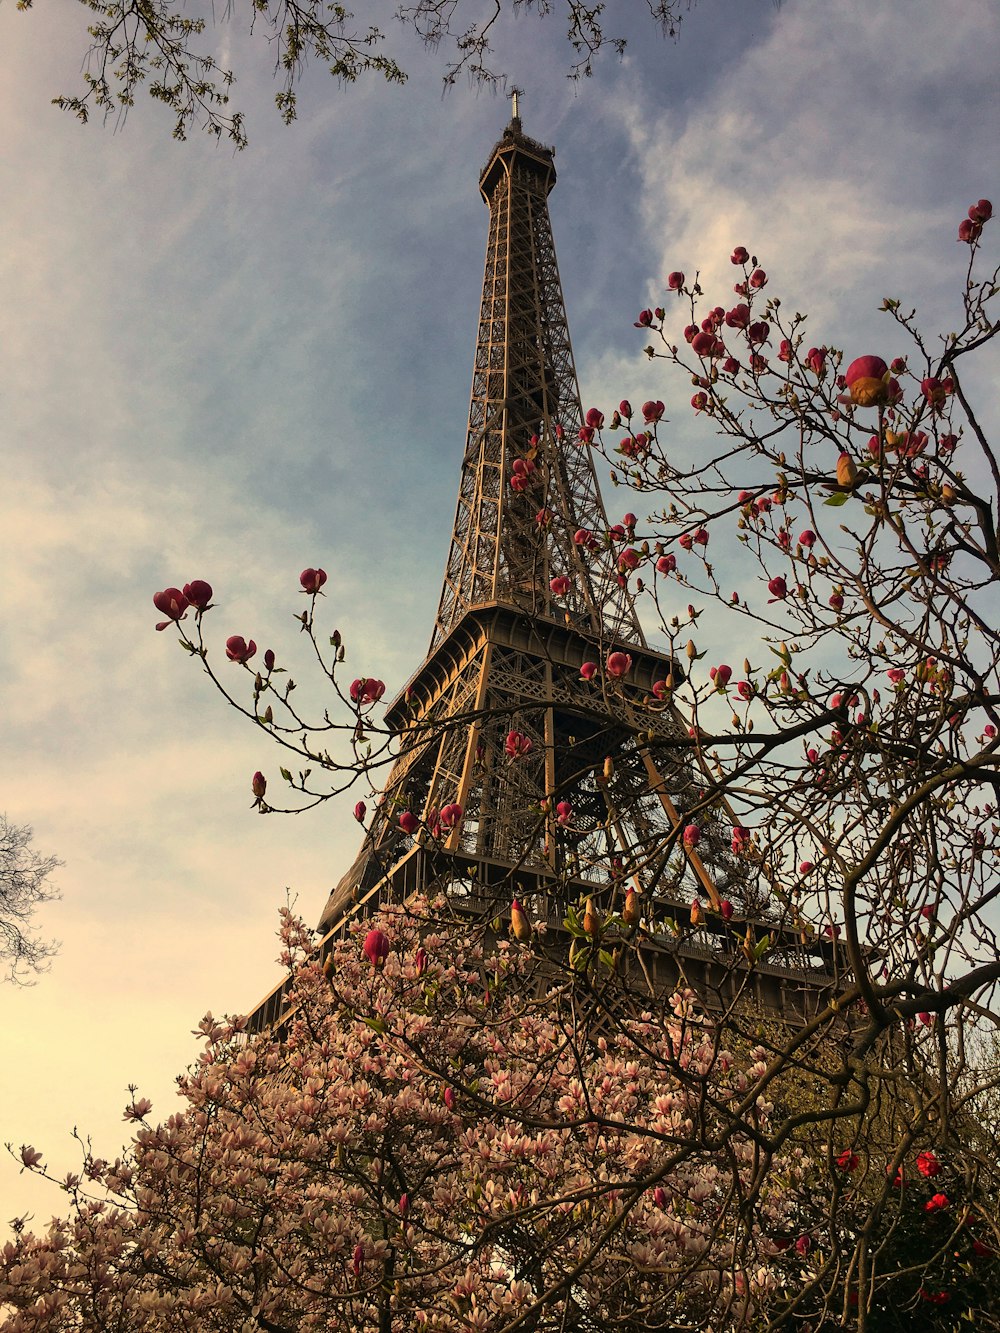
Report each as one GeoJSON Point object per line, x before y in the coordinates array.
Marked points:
{"type": "Point", "coordinates": [508, 544]}
{"type": "Point", "coordinates": [589, 804]}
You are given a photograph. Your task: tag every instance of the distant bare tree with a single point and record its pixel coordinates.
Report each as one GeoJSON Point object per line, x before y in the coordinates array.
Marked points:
{"type": "Point", "coordinates": [24, 885]}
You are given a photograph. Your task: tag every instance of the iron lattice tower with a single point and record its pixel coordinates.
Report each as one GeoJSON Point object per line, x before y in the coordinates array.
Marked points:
{"type": "Point", "coordinates": [506, 653]}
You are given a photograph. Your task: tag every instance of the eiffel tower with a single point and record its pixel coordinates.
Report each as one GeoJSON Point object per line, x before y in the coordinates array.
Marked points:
{"type": "Point", "coordinates": [564, 786]}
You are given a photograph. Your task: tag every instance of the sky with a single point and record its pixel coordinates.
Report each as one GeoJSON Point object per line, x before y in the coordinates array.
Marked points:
{"type": "Point", "coordinates": [232, 366]}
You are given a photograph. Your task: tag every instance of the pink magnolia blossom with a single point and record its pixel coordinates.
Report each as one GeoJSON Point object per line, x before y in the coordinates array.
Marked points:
{"type": "Point", "coordinates": [645, 319]}
{"type": "Point", "coordinates": [778, 588]}
{"type": "Point", "coordinates": [594, 418]}
{"type": "Point", "coordinates": [360, 810]}
{"type": "Point", "coordinates": [409, 822]}
{"type": "Point", "coordinates": [366, 690]}
{"type": "Point", "coordinates": [238, 649]}
{"type": "Point", "coordinates": [692, 835]}
{"type": "Point", "coordinates": [652, 411]}
{"type": "Point", "coordinates": [618, 665]}
{"type": "Point", "coordinates": [807, 538]}
{"type": "Point", "coordinates": [927, 1164]}
{"type": "Point", "coordinates": [198, 594]}
{"type": "Point", "coordinates": [258, 785]}
{"type": "Point", "coordinates": [517, 745]}
{"type": "Point", "coordinates": [312, 580]}
{"type": "Point", "coordinates": [376, 947]}
{"type": "Point", "coordinates": [170, 602]}
{"type": "Point", "coordinates": [451, 815]}
{"type": "Point", "coordinates": [29, 1156]}
{"type": "Point", "coordinates": [564, 812]}
{"type": "Point", "coordinates": [740, 255]}
{"type": "Point", "coordinates": [560, 585]}
{"type": "Point", "coordinates": [589, 670]}
{"type": "Point", "coordinates": [625, 408]}
{"type": "Point", "coordinates": [675, 283]}
{"type": "Point", "coordinates": [721, 675]}
{"type": "Point", "coordinates": [666, 564]}
{"type": "Point", "coordinates": [867, 379]}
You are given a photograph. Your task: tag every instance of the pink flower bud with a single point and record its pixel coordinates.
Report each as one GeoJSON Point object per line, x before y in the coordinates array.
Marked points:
{"type": "Point", "coordinates": [726, 910]}
{"type": "Point", "coordinates": [758, 278]}
{"type": "Point", "coordinates": [625, 408]}
{"type": "Point", "coordinates": [740, 255]}
{"type": "Point", "coordinates": [778, 588]}
{"type": "Point", "coordinates": [816, 360]}
{"type": "Point", "coordinates": [652, 411]}
{"type": "Point", "coordinates": [259, 785]}
{"type": "Point", "coordinates": [968, 230]}
{"type": "Point", "coordinates": [666, 564]}
{"type": "Point", "coordinates": [660, 1197]}
{"type": "Point", "coordinates": [721, 675]}
{"type": "Point", "coordinates": [358, 1261]}
{"type": "Point", "coordinates": [644, 320]}
{"type": "Point", "coordinates": [758, 331]}
{"type": "Point", "coordinates": [660, 689]}
{"type": "Point", "coordinates": [589, 670]}
{"type": "Point", "coordinates": [981, 211]}
{"type": "Point", "coordinates": [675, 281]}
{"type": "Point", "coordinates": [543, 518]}
{"type": "Point", "coordinates": [867, 381]}
{"type": "Point", "coordinates": [703, 344]}
{"type": "Point", "coordinates": [628, 559]}
{"type": "Point", "coordinates": [629, 520]}
{"type": "Point", "coordinates": [269, 659]}
{"type": "Point", "coordinates": [594, 418]}
{"type": "Point", "coordinates": [170, 602]}
{"type": "Point", "coordinates": [376, 947]}
{"type": "Point", "coordinates": [198, 593]}
{"type": "Point", "coordinates": [238, 650]}
{"type": "Point", "coordinates": [451, 816]}
{"type": "Point", "coordinates": [692, 835]}
{"type": "Point", "coordinates": [420, 961]}
{"type": "Point", "coordinates": [699, 401]}
{"type": "Point", "coordinates": [408, 822]}
{"type": "Point", "coordinates": [560, 585]}
{"type": "Point", "coordinates": [360, 810]}
{"type": "Point", "coordinates": [312, 580]}
{"type": "Point", "coordinates": [738, 317]}
{"type": "Point", "coordinates": [805, 867]}
{"type": "Point", "coordinates": [741, 838]}
{"type": "Point", "coordinates": [807, 538]}
{"type": "Point", "coordinates": [564, 813]}
{"type": "Point", "coordinates": [731, 365]}
{"type": "Point", "coordinates": [449, 1098]}
{"type": "Point", "coordinates": [618, 665]}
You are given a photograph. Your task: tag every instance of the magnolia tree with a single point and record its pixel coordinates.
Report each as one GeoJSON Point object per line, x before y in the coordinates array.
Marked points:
{"type": "Point", "coordinates": [442, 1144]}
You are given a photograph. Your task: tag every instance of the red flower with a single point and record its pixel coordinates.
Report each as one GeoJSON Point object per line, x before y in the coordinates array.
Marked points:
{"type": "Point", "coordinates": [360, 810]}
{"type": "Point", "coordinates": [618, 665]}
{"type": "Point", "coordinates": [560, 585]}
{"type": "Point", "coordinates": [666, 564]}
{"type": "Point", "coordinates": [721, 675]}
{"type": "Point", "coordinates": [807, 538]}
{"type": "Point", "coordinates": [376, 947]}
{"type": "Point", "coordinates": [778, 589]}
{"type": "Point", "coordinates": [644, 320]}
{"type": "Point", "coordinates": [594, 418]}
{"type": "Point", "coordinates": [848, 1161]}
{"type": "Point", "coordinates": [692, 835]}
{"type": "Point", "coordinates": [928, 1165]}
{"type": "Point", "coordinates": [198, 593]}
{"type": "Point", "coordinates": [652, 411]}
{"type": "Point", "coordinates": [517, 745]}
{"type": "Point", "coordinates": [589, 670]}
{"type": "Point", "coordinates": [408, 822]}
{"type": "Point", "coordinates": [935, 1297]}
{"type": "Point", "coordinates": [740, 255]}
{"type": "Point", "coordinates": [312, 580]}
{"type": "Point", "coordinates": [625, 408]}
{"type": "Point", "coordinates": [936, 1203]}
{"type": "Point", "coordinates": [170, 602]}
{"type": "Point", "coordinates": [238, 650]}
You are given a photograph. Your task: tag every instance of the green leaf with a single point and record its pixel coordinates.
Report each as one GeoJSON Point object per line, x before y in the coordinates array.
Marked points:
{"type": "Point", "coordinates": [835, 501]}
{"type": "Point", "coordinates": [376, 1025]}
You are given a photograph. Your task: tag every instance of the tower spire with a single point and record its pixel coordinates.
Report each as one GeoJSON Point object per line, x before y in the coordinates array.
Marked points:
{"type": "Point", "coordinates": [526, 486]}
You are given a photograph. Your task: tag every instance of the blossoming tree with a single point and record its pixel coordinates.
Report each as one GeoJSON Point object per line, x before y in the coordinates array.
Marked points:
{"type": "Point", "coordinates": [440, 1143]}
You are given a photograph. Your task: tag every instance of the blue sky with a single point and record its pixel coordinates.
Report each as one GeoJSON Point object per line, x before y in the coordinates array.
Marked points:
{"type": "Point", "coordinates": [232, 366]}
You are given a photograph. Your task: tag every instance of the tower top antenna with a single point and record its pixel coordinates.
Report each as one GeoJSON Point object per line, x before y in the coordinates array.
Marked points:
{"type": "Point", "coordinates": [515, 93]}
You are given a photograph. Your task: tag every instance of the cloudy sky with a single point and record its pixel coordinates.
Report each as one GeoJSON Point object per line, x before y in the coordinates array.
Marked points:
{"type": "Point", "coordinates": [230, 366]}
